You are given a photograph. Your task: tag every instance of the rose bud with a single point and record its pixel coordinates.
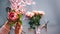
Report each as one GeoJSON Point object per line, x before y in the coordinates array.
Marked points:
{"type": "Point", "coordinates": [12, 16]}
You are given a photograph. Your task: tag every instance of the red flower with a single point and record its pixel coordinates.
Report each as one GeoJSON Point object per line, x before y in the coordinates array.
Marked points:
{"type": "Point", "coordinates": [12, 16]}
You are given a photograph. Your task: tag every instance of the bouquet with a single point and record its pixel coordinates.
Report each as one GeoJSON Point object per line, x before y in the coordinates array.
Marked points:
{"type": "Point", "coordinates": [15, 13]}
{"type": "Point", "coordinates": [34, 18]}
{"type": "Point", "coordinates": [14, 16]}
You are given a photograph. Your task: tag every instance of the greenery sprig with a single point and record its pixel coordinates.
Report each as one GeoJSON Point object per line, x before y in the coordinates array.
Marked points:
{"type": "Point", "coordinates": [35, 21]}
{"type": "Point", "coordinates": [34, 18]}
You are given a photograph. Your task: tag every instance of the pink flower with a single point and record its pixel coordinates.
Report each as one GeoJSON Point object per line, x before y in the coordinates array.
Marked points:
{"type": "Point", "coordinates": [35, 12]}
{"type": "Point", "coordinates": [17, 12]}
{"type": "Point", "coordinates": [20, 12]}
{"type": "Point", "coordinates": [12, 16]}
{"type": "Point", "coordinates": [41, 13]}
{"type": "Point", "coordinates": [30, 14]}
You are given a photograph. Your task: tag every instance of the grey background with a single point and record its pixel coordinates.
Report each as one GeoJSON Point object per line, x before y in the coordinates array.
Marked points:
{"type": "Point", "coordinates": [50, 7]}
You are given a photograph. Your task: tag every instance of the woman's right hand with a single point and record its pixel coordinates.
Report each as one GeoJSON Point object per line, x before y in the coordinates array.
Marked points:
{"type": "Point", "coordinates": [18, 28]}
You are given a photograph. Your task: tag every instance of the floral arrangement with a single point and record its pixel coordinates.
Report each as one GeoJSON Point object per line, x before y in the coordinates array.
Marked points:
{"type": "Point", "coordinates": [18, 8]}
{"type": "Point", "coordinates": [34, 18]}
{"type": "Point", "coordinates": [14, 16]}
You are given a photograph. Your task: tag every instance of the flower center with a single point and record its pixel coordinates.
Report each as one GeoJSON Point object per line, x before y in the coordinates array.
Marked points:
{"type": "Point", "coordinates": [12, 15]}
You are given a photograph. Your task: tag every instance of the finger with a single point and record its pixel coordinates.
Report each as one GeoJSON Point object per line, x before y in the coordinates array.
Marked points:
{"type": "Point", "coordinates": [18, 28]}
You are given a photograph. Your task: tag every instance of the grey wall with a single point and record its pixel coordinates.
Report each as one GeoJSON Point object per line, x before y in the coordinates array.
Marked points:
{"type": "Point", "coordinates": [50, 7]}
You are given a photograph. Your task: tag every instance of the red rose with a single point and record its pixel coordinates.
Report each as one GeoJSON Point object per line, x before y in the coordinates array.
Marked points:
{"type": "Point", "coordinates": [12, 16]}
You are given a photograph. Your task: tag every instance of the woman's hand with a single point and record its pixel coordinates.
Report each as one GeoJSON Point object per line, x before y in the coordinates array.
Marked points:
{"type": "Point", "coordinates": [18, 28]}
{"type": "Point", "coordinates": [5, 28]}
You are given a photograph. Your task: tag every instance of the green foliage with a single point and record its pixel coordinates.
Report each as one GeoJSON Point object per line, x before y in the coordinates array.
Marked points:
{"type": "Point", "coordinates": [12, 24]}
{"type": "Point", "coordinates": [20, 18]}
{"type": "Point", "coordinates": [34, 21]}
{"type": "Point", "coordinates": [13, 10]}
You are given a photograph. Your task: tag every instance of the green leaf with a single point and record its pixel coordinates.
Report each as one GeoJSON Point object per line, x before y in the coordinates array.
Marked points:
{"type": "Point", "coordinates": [20, 18]}
{"type": "Point", "coordinates": [19, 15]}
{"type": "Point", "coordinates": [12, 25]}
{"type": "Point", "coordinates": [20, 21]}
{"type": "Point", "coordinates": [13, 10]}
{"type": "Point", "coordinates": [8, 9]}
